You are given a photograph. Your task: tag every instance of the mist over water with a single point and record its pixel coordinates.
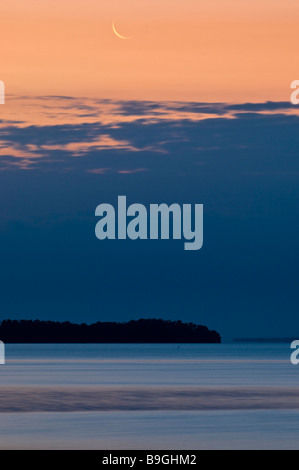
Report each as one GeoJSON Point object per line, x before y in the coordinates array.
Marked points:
{"type": "Point", "coordinates": [195, 396]}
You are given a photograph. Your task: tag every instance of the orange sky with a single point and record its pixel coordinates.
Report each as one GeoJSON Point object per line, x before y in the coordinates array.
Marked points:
{"type": "Point", "coordinates": [203, 50]}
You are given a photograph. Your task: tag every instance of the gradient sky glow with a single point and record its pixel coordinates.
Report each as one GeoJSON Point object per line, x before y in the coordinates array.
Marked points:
{"type": "Point", "coordinates": [195, 108]}
{"type": "Point", "coordinates": [207, 50]}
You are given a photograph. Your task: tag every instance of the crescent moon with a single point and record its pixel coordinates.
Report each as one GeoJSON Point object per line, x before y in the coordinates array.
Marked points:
{"type": "Point", "coordinates": [116, 33]}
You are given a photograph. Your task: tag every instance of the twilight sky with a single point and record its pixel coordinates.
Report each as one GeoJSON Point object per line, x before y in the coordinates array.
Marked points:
{"type": "Point", "coordinates": [193, 109]}
{"type": "Point", "coordinates": [206, 50]}
{"type": "Point", "coordinates": [64, 156]}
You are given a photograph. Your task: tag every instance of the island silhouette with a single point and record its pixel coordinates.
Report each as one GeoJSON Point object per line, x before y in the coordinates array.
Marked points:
{"type": "Point", "coordinates": [134, 331]}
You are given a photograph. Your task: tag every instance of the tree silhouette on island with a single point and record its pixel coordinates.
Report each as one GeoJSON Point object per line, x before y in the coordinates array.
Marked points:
{"type": "Point", "coordinates": [134, 331]}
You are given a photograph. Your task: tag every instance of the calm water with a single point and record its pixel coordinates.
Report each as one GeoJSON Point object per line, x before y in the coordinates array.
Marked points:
{"type": "Point", "coordinates": [129, 369]}
{"type": "Point", "coordinates": [187, 364]}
